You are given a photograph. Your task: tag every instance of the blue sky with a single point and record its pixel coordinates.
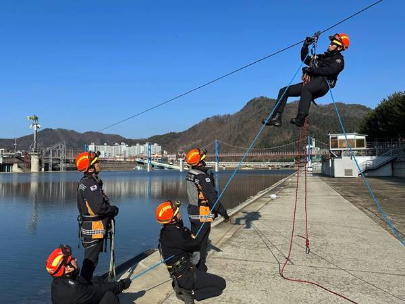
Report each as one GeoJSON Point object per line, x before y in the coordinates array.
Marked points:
{"type": "Point", "coordinates": [84, 65]}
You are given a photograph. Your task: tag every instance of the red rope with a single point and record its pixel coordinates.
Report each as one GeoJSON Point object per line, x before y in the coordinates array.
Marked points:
{"type": "Point", "coordinates": [306, 209]}
{"type": "Point", "coordinates": [306, 223]}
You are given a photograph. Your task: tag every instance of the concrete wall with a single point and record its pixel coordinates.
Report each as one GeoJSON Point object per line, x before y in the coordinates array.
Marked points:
{"type": "Point", "coordinates": [17, 169]}
{"type": "Point", "coordinates": [398, 167]}
{"type": "Point", "coordinates": [345, 167]}
{"type": "Point", "coordinates": [385, 170]}
{"type": "Point", "coordinates": [340, 167]}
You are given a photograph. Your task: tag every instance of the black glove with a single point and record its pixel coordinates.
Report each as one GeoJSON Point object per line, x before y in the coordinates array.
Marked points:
{"type": "Point", "coordinates": [307, 70]}
{"type": "Point", "coordinates": [226, 217]}
{"type": "Point", "coordinates": [125, 283]}
{"type": "Point", "coordinates": [113, 211]}
{"type": "Point", "coordinates": [308, 41]}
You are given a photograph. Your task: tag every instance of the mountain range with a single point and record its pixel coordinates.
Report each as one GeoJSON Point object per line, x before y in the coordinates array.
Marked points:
{"type": "Point", "coordinates": [237, 129]}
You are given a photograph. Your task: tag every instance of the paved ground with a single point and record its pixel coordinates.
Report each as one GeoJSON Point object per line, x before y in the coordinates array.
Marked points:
{"type": "Point", "coordinates": [350, 254]}
{"type": "Point", "coordinates": [390, 192]}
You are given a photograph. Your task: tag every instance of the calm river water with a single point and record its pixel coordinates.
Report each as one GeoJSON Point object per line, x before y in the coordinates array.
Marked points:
{"type": "Point", "coordinates": [38, 212]}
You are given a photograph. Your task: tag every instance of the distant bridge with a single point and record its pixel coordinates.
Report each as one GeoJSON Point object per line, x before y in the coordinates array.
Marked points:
{"type": "Point", "coordinates": [253, 164]}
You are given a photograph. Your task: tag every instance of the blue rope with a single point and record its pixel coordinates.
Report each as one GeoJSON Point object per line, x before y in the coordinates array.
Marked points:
{"type": "Point", "coordinates": [362, 174]}
{"type": "Point", "coordinates": [149, 269]}
{"type": "Point", "coordinates": [254, 141]}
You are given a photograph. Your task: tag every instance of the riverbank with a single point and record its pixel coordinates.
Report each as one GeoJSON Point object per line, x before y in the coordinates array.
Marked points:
{"type": "Point", "coordinates": [350, 254]}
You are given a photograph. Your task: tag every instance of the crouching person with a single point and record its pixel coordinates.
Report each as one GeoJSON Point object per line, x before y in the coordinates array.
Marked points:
{"type": "Point", "coordinates": [175, 240]}
{"type": "Point", "coordinates": [70, 288]}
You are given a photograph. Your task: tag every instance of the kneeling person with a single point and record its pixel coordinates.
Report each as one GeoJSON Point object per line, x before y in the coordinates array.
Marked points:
{"type": "Point", "coordinates": [70, 288]}
{"type": "Point", "coordinates": [176, 240]}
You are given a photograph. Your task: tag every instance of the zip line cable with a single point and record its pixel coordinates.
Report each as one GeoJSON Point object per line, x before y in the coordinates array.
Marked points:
{"type": "Point", "coordinates": [237, 70]}
{"type": "Point", "coordinates": [386, 219]}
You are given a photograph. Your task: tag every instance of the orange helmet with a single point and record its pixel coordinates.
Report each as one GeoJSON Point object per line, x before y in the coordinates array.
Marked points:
{"type": "Point", "coordinates": [166, 211]}
{"type": "Point", "coordinates": [58, 260]}
{"type": "Point", "coordinates": [341, 40]}
{"type": "Point", "coordinates": [85, 160]}
{"type": "Point", "coordinates": [195, 156]}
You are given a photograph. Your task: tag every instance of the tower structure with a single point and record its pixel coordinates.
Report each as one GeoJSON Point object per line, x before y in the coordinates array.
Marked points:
{"type": "Point", "coordinates": [35, 153]}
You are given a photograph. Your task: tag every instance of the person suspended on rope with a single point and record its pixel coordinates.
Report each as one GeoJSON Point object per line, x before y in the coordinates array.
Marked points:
{"type": "Point", "coordinates": [202, 196]}
{"type": "Point", "coordinates": [178, 242]}
{"type": "Point", "coordinates": [322, 68]}
{"type": "Point", "coordinates": [96, 215]}
{"type": "Point", "coordinates": [68, 287]}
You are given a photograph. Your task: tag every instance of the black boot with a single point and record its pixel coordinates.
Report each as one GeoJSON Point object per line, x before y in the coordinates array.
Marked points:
{"type": "Point", "coordinates": [299, 120]}
{"type": "Point", "coordinates": [183, 294]}
{"type": "Point", "coordinates": [274, 121]}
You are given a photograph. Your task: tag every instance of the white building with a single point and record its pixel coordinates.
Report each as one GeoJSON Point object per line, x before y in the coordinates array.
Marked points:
{"type": "Point", "coordinates": [122, 150]}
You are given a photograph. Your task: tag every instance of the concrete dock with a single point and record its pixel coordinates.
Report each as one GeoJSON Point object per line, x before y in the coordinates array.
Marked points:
{"type": "Point", "coordinates": [351, 254]}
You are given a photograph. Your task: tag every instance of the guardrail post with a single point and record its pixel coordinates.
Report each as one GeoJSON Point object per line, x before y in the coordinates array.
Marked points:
{"type": "Point", "coordinates": [181, 164]}
{"type": "Point", "coordinates": [216, 156]}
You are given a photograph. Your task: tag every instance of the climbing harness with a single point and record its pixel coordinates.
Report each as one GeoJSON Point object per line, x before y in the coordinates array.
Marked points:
{"type": "Point", "coordinates": [108, 234]}
{"type": "Point", "coordinates": [198, 198]}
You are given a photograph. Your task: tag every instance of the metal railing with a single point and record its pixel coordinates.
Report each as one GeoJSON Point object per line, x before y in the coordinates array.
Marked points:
{"type": "Point", "coordinates": [382, 159]}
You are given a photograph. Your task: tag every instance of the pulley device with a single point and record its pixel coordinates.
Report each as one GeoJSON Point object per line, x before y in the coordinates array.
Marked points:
{"type": "Point", "coordinates": [312, 41]}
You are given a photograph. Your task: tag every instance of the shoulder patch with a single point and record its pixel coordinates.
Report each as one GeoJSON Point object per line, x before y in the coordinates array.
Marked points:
{"type": "Point", "coordinates": [197, 181]}
{"type": "Point", "coordinates": [93, 188]}
{"type": "Point", "coordinates": [339, 60]}
{"type": "Point", "coordinates": [207, 179]}
{"type": "Point", "coordinates": [82, 187]}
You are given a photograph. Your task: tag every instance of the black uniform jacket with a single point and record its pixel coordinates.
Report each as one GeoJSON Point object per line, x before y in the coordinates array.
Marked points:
{"type": "Point", "coordinates": [204, 180]}
{"type": "Point", "coordinates": [79, 291]}
{"type": "Point", "coordinates": [329, 64]}
{"type": "Point", "coordinates": [91, 200]}
{"type": "Point", "coordinates": [175, 239]}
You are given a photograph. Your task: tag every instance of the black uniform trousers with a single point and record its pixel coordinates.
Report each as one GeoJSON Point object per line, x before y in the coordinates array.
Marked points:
{"type": "Point", "coordinates": [204, 233]}
{"type": "Point", "coordinates": [110, 298]}
{"type": "Point", "coordinates": [91, 254]}
{"type": "Point", "coordinates": [205, 285]}
{"type": "Point", "coordinates": [316, 88]}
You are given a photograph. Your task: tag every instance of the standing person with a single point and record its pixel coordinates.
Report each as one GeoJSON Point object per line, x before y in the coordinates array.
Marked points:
{"type": "Point", "coordinates": [202, 196]}
{"type": "Point", "coordinates": [95, 211]}
{"type": "Point", "coordinates": [178, 248]}
{"type": "Point", "coordinates": [69, 288]}
{"type": "Point", "coordinates": [323, 68]}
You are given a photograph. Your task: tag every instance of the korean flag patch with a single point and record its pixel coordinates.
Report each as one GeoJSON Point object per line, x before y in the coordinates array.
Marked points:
{"type": "Point", "coordinates": [93, 188]}
{"type": "Point", "coordinates": [207, 180]}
